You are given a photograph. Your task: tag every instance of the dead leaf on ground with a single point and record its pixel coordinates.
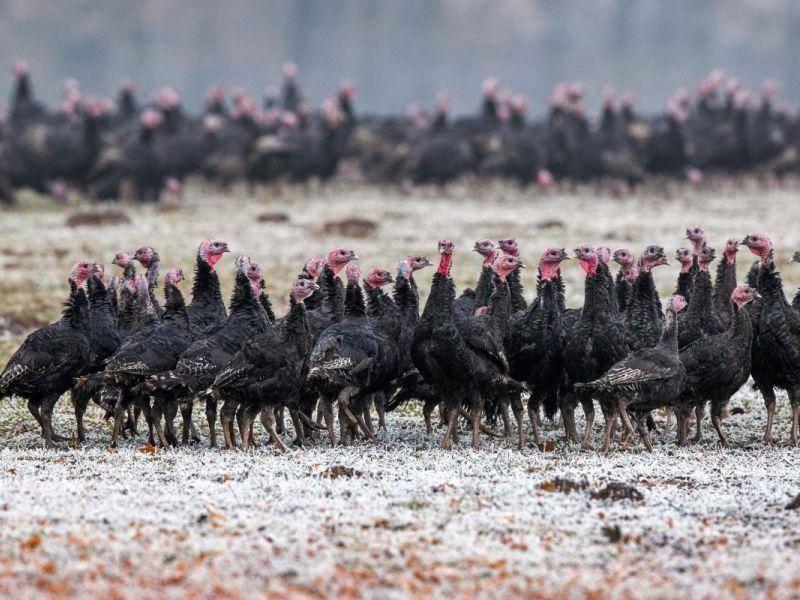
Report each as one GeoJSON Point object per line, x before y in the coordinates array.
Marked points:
{"type": "Point", "coordinates": [565, 486]}
{"type": "Point", "coordinates": [336, 471]}
{"type": "Point", "coordinates": [147, 449]}
{"type": "Point", "coordinates": [354, 227]}
{"type": "Point", "coordinates": [794, 504]}
{"type": "Point", "coordinates": [32, 542]}
{"type": "Point", "coordinates": [108, 216]}
{"type": "Point", "coordinates": [617, 490]}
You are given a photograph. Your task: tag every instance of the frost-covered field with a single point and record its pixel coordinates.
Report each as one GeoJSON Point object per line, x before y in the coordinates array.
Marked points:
{"type": "Point", "coordinates": [401, 517]}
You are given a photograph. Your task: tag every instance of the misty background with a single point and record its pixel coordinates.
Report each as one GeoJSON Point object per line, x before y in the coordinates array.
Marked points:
{"type": "Point", "coordinates": [404, 51]}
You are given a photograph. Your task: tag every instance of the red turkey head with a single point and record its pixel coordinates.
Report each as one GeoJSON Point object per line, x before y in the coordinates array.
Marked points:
{"type": "Point", "coordinates": [445, 248]}
{"type": "Point", "coordinates": [241, 262]}
{"type": "Point", "coordinates": [481, 310]}
{"type": "Point", "coordinates": [338, 259]}
{"type": "Point", "coordinates": [706, 257]}
{"type": "Point", "coordinates": [302, 288]}
{"type": "Point", "coordinates": [759, 244]}
{"type": "Point", "coordinates": [550, 261]}
{"type": "Point", "coordinates": [377, 278]}
{"type": "Point", "coordinates": [313, 267]}
{"type": "Point", "coordinates": [487, 249]}
{"type": "Point", "coordinates": [743, 294]}
{"type": "Point", "coordinates": [653, 256]}
{"type": "Point", "coordinates": [624, 258]}
{"type": "Point", "coordinates": [174, 276]}
{"type": "Point", "coordinates": [99, 270]}
{"type": "Point", "coordinates": [685, 257]}
{"type": "Point", "coordinates": [631, 274]}
{"type": "Point", "coordinates": [489, 87]}
{"type": "Point", "coordinates": [604, 254]}
{"type": "Point", "coordinates": [81, 271]}
{"type": "Point", "coordinates": [211, 251]}
{"type": "Point", "coordinates": [587, 258]}
{"type": "Point", "coordinates": [122, 259]}
{"type": "Point", "coordinates": [151, 118]}
{"type": "Point", "coordinates": [544, 179]}
{"type": "Point", "coordinates": [731, 249]}
{"type": "Point", "coordinates": [418, 262]}
{"type": "Point", "coordinates": [145, 256]}
{"type": "Point", "coordinates": [353, 274]}
{"type": "Point", "coordinates": [676, 304]}
{"type": "Point", "coordinates": [19, 67]}
{"type": "Point", "coordinates": [289, 70]}
{"type": "Point", "coordinates": [509, 246]}
{"type": "Point", "coordinates": [256, 277]}
{"type": "Point", "coordinates": [506, 263]}
{"type": "Point", "coordinates": [697, 236]}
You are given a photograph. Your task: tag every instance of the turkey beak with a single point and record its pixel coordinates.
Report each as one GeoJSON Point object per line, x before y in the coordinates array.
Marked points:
{"type": "Point", "coordinates": [576, 253]}
{"type": "Point", "coordinates": [355, 256]}
{"type": "Point", "coordinates": [389, 279]}
{"type": "Point", "coordinates": [522, 265]}
{"type": "Point", "coordinates": [426, 262]}
{"type": "Point", "coordinates": [756, 295]}
{"type": "Point", "coordinates": [316, 287]}
{"type": "Point", "coordinates": [225, 247]}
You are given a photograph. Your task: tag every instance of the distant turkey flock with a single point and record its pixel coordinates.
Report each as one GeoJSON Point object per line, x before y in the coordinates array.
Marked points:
{"type": "Point", "coordinates": [130, 149]}
{"type": "Point", "coordinates": [478, 356]}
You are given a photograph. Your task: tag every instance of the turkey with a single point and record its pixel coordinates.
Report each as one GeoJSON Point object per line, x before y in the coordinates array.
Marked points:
{"type": "Point", "coordinates": [725, 283]}
{"type": "Point", "coordinates": [267, 371]}
{"type": "Point", "coordinates": [406, 298]}
{"type": "Point", "coordinates": [48, 361]}
{"type": "Point", "coordinates": [535, 342]}
{"type": "Point", "coordinates": [717, 367]}
{"type": "Point", "coordinates": [470, 299]}
{"type": "Point", "coordinates": [207, 308]}
{"type": "Point", "coordinates": [592, 345]}
{"type": "Point", "coordinates": [149, 259]}
{"type": "Point", "coordinates": [457, 354]}
{"type": "Point", "coordinates": [647, 379]}
{"type": "Point", "coordinates": [625, 259]}
{"type": "Point", "coordinates": [197, 367]}
{"type": "Point", "coordinates": [518, 303]}
{"type": "Point", "coordinates": [604, 256]}
{"type": "Point", "coordinates": [126, 307]}
{"type": "Point", "coordinates": [153, 350]}
{"type": "Point", "coordinates": [355, 358]}
{"type": "Point", "coordinates": [685, 283]}
{"type": "Point", "coordinates": [796, 299]}
{"type": "Point", "coordinates": [776, 337]}
{"type": "Point", "coordinates": [643, 311]}
{"type": "Point", "coordinates": [700, 319]}
{"type": "Point", "coordinates": [105, 337]}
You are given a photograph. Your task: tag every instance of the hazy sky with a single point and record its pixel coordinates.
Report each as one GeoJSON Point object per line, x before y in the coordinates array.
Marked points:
{"type": "Point", "coordinates": [404, 50]}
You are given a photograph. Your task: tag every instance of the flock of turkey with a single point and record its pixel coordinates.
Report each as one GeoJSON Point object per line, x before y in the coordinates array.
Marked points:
{"type": "Point", "coordinates": [129, 149]}
{"type": "Point", "coordinates": [478, 355]}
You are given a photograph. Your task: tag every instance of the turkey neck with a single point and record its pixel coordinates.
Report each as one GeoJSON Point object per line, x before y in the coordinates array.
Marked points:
{"type": "Point", "coordinates": [76, 309]}
{"type": "Point", "coordinates": [205, 288]}
{"type": "Point", "coordinates": [642, 294]}
{"type": "Point", "coordinates": [742, 327]}
{"type": "Point", "coordinates": [669, 335]}
{"type": "Point", "coordinates": [516, 290]}
{"type": "Point", "coordinates": [595, 299]}
{"type": "Point", "coordinates": [406, 296]}
{"type": "Point", "coordinates": [332, 292]}
{"type": "Point", "coordinates": [297, 321]}
{"type": "Point", "coordinates": [770, 285]}
{"type": "Point", "coordinates": [605, 273]}
{"type": "Point", "coordinates": [483, 289]}
{"type": "Point", "coordinates": [499, 308]}
{"type": "Point", "coordinates": [175, 307]}
{"type": "Point", "coordinates": [441, 298]}
{"type": "Point", "coordinates": [264, 300]}
{"type": "Point", "coordinates": [623, 290]}
{"type": "Point", "coordinates": [242, 299]}
{"type": "Point", "coordinates": [354, 307]}
{"type": "Point", "coordinates": [684, 287]}
{"type": "Point", "coordinates": [701, 306]}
